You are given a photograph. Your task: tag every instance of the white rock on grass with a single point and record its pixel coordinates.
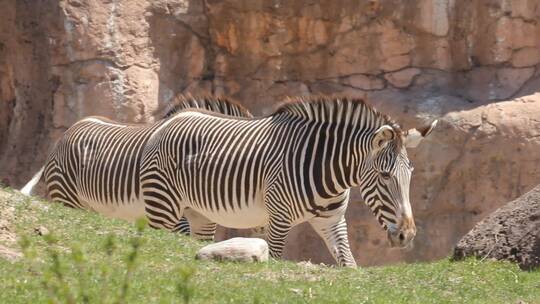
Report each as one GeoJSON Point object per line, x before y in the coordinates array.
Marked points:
{"type": "Point", "coordinates": [236, 249]}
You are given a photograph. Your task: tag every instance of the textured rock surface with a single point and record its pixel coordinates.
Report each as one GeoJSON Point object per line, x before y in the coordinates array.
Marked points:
{"type": "Point", "coordinates": [510, 233]}
{"type": "Point", "coordinates": [474, 64]}
{"type": "Point", "coordinates": [237, 249]}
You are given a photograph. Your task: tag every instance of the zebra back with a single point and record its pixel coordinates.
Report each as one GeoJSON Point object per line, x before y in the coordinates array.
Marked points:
{"type": "Point", "coordinates": [217, 104]}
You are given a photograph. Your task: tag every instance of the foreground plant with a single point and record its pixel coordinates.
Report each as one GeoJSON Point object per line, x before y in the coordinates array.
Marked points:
{"type": "Point", "coordinates": [60, 289]}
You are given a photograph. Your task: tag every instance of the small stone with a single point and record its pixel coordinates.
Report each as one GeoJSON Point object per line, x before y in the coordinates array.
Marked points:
{"type": "Point", "coordinates": [307, 265]}
{"type": "Point", "coordinates": [236, 249]}
{"type": "Point", "coordinates": [41, 230]}
{"type": "Point", "coordinates": [296, 290]}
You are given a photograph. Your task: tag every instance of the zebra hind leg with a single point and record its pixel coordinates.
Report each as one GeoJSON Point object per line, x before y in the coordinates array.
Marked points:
{"type": "Point", "coordinates": [61, 187]}
{"type": "Point", "coordinates": [201, 228]}
{"type": "Point", "coordinates": [333, 230]}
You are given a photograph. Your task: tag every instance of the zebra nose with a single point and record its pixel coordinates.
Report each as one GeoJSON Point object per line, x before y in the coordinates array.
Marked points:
{"type": "Point", "coordinates": [406, 237]}
{"type": "Point", "coordinates": [402, 236]}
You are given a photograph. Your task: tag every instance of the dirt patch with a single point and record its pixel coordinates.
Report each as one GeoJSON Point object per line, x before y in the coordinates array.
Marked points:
{"type": "Point", "coordinates": [510, 233]}
{"type": "Point", "coordinates": [8, 239]}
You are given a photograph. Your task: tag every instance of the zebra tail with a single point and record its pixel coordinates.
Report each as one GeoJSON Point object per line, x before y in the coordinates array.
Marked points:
{"type": "Point", "coordinates": [27, 189]}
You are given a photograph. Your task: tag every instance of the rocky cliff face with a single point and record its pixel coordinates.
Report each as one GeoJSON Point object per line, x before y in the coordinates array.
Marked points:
{"type": "Point", "coordinates": [473, 64]}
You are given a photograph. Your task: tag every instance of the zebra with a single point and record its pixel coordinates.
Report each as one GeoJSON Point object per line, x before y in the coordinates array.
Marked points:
{"type": "Point", "coordinates": [95, 165]}
{"type": "Point", "coordinates": [295, 165]}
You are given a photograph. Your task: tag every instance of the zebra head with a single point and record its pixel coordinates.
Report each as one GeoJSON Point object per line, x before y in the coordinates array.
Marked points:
{"type": "Point", "coordinates": [386, 179]}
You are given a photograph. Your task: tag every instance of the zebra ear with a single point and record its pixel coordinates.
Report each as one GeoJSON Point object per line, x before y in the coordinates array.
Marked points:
{"type": "Point", "coordinates": [383, 136]}
{"type": "Point", "coordinates": [413, 137]}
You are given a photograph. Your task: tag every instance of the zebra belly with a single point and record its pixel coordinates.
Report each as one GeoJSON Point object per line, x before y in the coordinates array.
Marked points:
{"type": "Point", "coordinates": [251, 216]}
{"type": "Point", "coordinates": [129, 211]}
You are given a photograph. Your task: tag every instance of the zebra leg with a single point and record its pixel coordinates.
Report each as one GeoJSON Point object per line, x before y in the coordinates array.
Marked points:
{"type": "Point", "coordinates": [277, 232]}
{"type": "Point", "coordinates": [201, 228]}
{"type": "Point", "coordinates": [160, 219]}
{"type": "Point", "coordinates": [61, 187]}
{"type": "Point", "coordinates": [333, 230]}
{"type": "Point", "coordinates": [183, 226]}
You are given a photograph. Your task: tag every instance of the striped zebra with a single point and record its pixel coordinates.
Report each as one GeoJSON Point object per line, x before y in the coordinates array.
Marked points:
{"type": "Point", "coordinates": [295, 165]}
{"type": "Point", "coordinates": [96, 163]}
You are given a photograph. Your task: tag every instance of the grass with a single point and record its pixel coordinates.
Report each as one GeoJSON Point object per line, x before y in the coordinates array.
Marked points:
{"type": "Point", "coordinates": [92, 256]}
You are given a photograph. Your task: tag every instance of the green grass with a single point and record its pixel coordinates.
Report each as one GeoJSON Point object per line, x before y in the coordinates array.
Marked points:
{"type": "Point", "coordinates": [165, 270]}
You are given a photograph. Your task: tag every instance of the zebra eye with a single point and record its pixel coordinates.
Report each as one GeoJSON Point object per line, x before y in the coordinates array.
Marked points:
{"type": "Point", "coordinates": [385, 175]}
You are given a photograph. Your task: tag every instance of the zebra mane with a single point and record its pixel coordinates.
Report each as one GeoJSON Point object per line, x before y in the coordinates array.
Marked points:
{"type": "Point", "coordinates": [325, 108]}
{"type": "Point", "coordinates": [217, 104]}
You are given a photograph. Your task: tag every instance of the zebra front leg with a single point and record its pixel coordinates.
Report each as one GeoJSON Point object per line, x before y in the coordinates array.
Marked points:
{"type": "Point", "coordinates": [201, 228]}
{"type": "Point", "coordinates": [277, 232]}
{"type": "Point", "coordinates": [333, 230]}
{"type": "Point", "coordinates": [161, 217]}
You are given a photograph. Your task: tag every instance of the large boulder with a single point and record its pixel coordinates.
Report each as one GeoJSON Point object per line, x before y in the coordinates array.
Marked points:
{"type": "Point", "coordinates": [510, 233]}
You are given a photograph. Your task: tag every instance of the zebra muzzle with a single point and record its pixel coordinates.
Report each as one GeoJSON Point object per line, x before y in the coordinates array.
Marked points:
{"type": "Point", "coordinates": [401, 237]}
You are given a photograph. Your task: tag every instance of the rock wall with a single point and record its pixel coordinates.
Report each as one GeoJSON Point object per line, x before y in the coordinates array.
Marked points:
{"type": "Point", "coordinates": [473, 64]}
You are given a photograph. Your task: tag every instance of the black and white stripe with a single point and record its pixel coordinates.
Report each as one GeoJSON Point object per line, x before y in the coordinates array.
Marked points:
{"type": "Point", "coordinates": [295, 165]}
{"type": "Point", "coordinates": [96, 163]}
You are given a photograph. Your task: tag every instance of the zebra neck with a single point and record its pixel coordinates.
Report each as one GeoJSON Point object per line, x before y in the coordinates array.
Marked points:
{"type": "Point", "coordinates": [356, 161]}
{"type": "Point", "coordinates": [328, 154]}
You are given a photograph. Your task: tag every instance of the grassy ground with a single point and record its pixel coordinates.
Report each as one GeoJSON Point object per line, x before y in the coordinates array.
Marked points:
{"type": "Point", "coordinates": [91, 255]}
